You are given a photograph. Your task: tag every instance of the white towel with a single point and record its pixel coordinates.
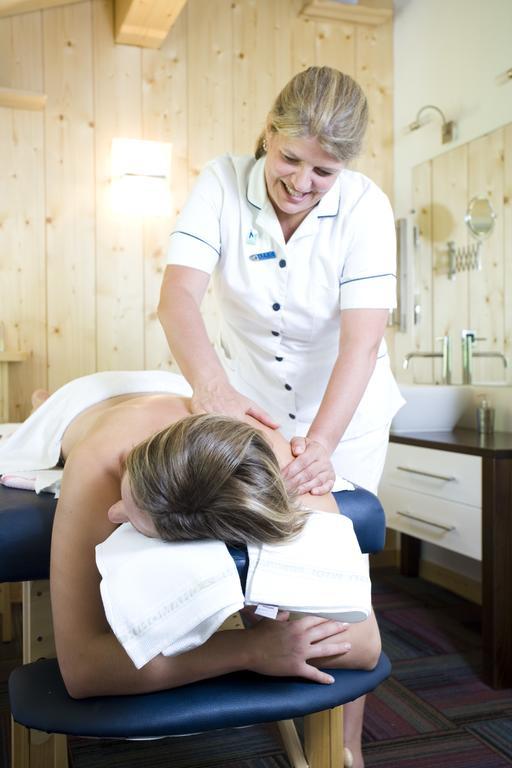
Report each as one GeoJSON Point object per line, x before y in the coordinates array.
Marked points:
{"type": "Point", "coordinates": [168, 598]}
{"type": "Point", "coordinates": [340, 484]}
{"type": "Point", "coordinates": [36, 443]}
{"type": "Point", "coordinates": [322, 571]}
{"type": "Point", "coordinates": [40, 481]}
{"type": "Point", "coordinates": [162, 597]}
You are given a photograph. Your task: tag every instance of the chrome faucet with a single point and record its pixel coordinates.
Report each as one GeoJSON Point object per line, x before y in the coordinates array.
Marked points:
{"type": "Point", "coordinates": [468, 340]}
{"type": "Point", "coordinates": [445, 355]}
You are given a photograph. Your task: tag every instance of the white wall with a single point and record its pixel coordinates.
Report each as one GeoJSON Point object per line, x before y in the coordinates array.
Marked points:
{"type": "Point", "coordinates": [451, 53]}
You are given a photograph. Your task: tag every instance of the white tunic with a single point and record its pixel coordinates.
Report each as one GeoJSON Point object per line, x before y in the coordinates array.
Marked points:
{"type": "Point", "coordinates": [279, 303]}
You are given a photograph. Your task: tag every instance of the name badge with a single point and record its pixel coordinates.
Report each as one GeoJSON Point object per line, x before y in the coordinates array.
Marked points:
{"type": "Point", "coordinates": [262, 256]}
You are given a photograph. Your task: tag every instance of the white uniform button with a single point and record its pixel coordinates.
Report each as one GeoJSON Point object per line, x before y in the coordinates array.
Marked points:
{"type": "Point", "coordinates": [279, 359]}
{"type": "Point", "coordinates": [288, 387]}
{"type": "Point", "coordinates": [282, 263]}
{"type": "Point", "coordinates": [275, 333]}
{"type": "Point", "coordinates": [291, 415]}
{"type": "Point", "coordinates": [276, 307]}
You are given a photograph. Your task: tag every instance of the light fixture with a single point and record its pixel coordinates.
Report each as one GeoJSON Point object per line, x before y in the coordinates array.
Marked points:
{"type": "Point", "coordinates": [141, 177]}
{"type": "Point", "coordinates": [447, 129]}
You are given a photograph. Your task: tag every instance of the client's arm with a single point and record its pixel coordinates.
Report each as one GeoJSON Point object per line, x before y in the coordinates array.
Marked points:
{"type": "Point", "coordinates": [91, 659]}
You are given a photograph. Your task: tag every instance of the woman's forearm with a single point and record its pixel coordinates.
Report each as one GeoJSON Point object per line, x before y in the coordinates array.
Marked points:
{"type": "Point", "coordinates": [105, 669]}
{"type": "Point", "coordinates": [179, 313]}
{"type": "Point", "coordinates": [347, 384]}
{"type": "Point", "coordinates": [360, 337]}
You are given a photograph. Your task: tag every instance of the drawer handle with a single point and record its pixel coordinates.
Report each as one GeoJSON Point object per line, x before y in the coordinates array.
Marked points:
{"type": "Point", "coordinates": [427, 522]}
{"type": "Point", "coordinates": [446, 478]}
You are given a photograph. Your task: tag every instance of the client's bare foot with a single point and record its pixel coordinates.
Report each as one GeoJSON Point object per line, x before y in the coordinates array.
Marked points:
{"type": "Point", "coordinates": [38, 397]}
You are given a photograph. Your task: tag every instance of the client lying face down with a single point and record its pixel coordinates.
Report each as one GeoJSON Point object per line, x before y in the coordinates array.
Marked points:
{"type": "Point", "coordinates": [202, 476]}
{"type": "Point", "coordinates": [207, 477]}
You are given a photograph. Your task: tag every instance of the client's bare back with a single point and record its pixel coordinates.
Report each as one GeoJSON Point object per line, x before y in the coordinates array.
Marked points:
{"type": "Point", "coordinates": [124, 421]}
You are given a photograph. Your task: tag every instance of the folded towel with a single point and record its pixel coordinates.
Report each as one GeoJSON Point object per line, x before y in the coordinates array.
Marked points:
{"type": "Point", "coordinates": [36, 443]}
{"type": "Point", "coordinates": [322, 571]}
{"type": "Point", "coordinates": [40, 481]}
{"type": "Point", "coordinates": [162, 597]}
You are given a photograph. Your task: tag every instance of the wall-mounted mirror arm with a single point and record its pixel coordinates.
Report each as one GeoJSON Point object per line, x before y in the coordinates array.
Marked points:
{"type": "Point", "coordinates": [479, 219]}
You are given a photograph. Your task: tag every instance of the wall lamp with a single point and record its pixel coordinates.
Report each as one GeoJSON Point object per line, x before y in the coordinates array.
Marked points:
{"type": "Point", "coordinates": [448, 127]}
{"type": "Point", "coordinates": [141, 177]}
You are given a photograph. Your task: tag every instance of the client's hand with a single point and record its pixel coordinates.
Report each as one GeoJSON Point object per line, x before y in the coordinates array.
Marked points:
{"type": "Point", "coordinates": [283, 648]}
{"type": "Point", "coordinates": [311, 471]}
{"type": "Point", "coordinates": [218, 396]}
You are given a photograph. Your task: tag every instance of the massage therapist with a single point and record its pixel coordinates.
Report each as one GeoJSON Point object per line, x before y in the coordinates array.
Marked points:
{"type": "Point", "coordinates": [301, 253]}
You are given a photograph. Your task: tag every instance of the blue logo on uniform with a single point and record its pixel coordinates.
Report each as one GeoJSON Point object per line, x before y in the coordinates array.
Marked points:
{"type": "Point", "coordinates": [262, 256]}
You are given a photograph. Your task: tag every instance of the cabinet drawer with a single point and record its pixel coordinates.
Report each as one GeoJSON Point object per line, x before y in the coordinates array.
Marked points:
{"type": "Point", "coordinates": [451, 476]}
{"type": "Point", "coordinates": [448, 524]}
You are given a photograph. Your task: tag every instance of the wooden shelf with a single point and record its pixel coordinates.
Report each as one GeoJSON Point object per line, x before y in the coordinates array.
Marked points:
{"type": "Point", "coordinates": [12, 357]}
{"type": "Point", "coordinates": [16, 99]}
{"type": "Point", "coordinates": [327, 10]}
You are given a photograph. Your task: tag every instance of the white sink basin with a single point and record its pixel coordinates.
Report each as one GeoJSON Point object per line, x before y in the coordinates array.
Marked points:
{"type": "Point", "coordinates": [431, 407]}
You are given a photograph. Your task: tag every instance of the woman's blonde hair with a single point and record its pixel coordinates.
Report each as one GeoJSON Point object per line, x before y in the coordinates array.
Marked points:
{"type": "Point", "coordinates": [212, 477]}
{"type": "Point", "coordinates": [323, 103]}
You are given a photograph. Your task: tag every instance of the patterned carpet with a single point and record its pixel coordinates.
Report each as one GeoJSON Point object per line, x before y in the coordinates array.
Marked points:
{"type": "Point", "coordinates": [434, 711]}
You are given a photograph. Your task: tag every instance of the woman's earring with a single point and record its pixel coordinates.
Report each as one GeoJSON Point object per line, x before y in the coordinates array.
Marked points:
{"type": "Point", "coordinates": [265, 145]}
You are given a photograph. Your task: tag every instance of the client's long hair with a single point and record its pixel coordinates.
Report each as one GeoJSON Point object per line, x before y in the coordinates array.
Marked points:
{"type": "Point", "coordinates": [212, 477]}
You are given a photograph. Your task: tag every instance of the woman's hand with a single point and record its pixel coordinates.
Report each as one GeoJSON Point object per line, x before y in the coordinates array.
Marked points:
{"type": "Point", "coordinates": [311, 471]}
{"type": "Point", "coordinates": [220, 397]}
{"type": "Point", "coordinates": [283, 648]}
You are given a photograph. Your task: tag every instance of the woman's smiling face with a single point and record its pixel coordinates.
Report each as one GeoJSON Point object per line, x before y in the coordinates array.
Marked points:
{"type": "Point", "coordinates": [298, 173]}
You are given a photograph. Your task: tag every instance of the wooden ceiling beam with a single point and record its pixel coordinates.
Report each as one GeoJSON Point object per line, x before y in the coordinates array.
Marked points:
{"type": "Point", "coordinates": [326, 10]}
{"type": "Point", "coordinates": [145, 23]}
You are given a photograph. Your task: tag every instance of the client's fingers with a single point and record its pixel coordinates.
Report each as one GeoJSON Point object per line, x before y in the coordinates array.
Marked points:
{"type": "Point", "coordinates": [316, 675]}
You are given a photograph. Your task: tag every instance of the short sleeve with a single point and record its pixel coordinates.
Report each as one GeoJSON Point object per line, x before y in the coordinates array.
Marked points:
{"type": "Point", "coordinates": [195, 241]}
{"type": "Point", "coordinates": [368, 279]}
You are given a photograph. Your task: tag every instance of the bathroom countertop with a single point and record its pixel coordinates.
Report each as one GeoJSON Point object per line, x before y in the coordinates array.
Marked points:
{"type": "Point", "coordinates": [495, 445]}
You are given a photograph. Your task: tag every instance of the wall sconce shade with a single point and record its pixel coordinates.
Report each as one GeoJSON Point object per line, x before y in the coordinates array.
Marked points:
{"type": "Point", "coordinates": [141, 177]}
{"type": "Point", "coordinates": [448, 127]}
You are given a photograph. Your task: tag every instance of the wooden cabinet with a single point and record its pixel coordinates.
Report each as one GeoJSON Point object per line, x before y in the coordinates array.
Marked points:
{"type": "Point", "coordinates": [454, 489]}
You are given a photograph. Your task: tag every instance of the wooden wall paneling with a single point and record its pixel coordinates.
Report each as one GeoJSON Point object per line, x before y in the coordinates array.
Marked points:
{"type": "Point", "coordinates": [374, 73]}
{"type": "Point", "coordinates": [254, 71]}
{"type": "Point", "coordinates": [210, 93]}
{"type": "Point", "coordinates": [303, 39]}
{"type": "Point", "coordinates": [284, 12]}
{"type": "Point", "coordinates": [486, 288]}
{"type": "Point", "coordinates": [22, 241]}
{"type": "Point", "coordinates": [165, 118]}
{"type": "Point", "coordinates": [450, 297]}
{"type": "Point", "coordinates": [69, 123]}
{"type": "Point", "coordinates": [119, 245]}
{"type": "Point", "coordinates": [419, 337]}
{"type": "Point", "coordinates": [335, 46]}
{"type": "Point", "coordinates": [212, 122]}
{"type": "Point", "coordinates": [507, 246]}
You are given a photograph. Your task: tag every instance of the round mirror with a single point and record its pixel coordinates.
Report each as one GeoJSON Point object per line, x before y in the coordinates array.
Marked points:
{"type": "Point", "coordinates": [480, 217]}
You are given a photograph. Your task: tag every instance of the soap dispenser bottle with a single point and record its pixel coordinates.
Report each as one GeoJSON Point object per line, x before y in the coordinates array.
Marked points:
{"type": "Point", "coordinates": [485, 417]}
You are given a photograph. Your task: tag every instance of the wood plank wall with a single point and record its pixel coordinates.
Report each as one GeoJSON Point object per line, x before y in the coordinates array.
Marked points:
{"type": "Point", "coordinates": [477, 300]}
{"type": "Point", "coordinates": [79, 284]}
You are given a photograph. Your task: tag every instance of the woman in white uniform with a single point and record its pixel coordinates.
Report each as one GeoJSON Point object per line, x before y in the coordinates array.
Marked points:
{"type": "Point", "coordinates": [301, 254]}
